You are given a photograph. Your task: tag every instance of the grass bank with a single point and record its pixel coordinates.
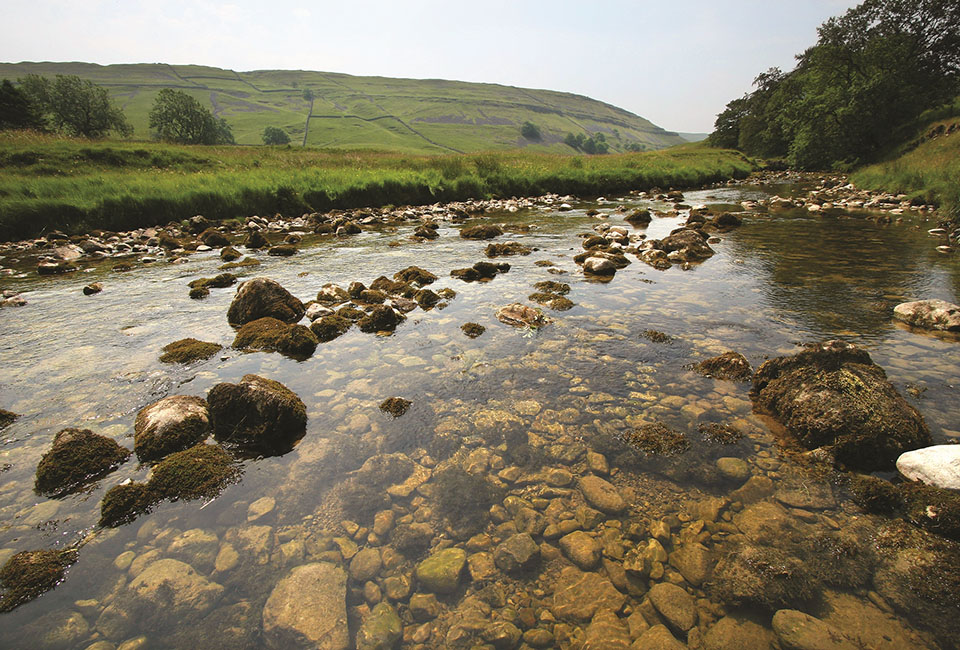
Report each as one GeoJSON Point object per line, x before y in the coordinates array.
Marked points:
{"type": "Point", "coordinates": [51, 183]}
{"type": "Point", "coordinates": [930, 170]}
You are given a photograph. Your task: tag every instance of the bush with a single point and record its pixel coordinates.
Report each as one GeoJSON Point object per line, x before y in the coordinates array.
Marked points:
{"type": "Point", "coordinates": [274, 135]}
{"type": "Point", "coordinates": [531, 131]}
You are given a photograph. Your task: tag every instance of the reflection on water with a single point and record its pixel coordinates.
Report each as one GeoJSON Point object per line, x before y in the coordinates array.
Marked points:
{"type": "Point", "coordinates": [529, 410]}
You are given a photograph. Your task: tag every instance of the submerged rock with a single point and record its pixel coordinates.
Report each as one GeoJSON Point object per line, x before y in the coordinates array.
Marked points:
{"type": "Point", "coordinates": [602, 495]}
{"type": "Point", "coordinates": [929, 314]}
{"type": "Point", "coordinates": [440, 573]}
{"type": "Point", "coordinates": [173, 424]}
{"type": "Point", "coordinates": [657, 439]}
{"type": "Point", "coordinates": [381, 630]}
{"type": "Point", "coordinates": [799, 631]}
{"type": "Point", "coordinates": [188, 350]}
{"type": "Point", "coordinates": [764, 577]}
{"type": "Point", "coordinates": [729, 365]}
{"type": "Point", "coordinates": [832, 396]}
{"type": "Point", "coordinates": [257, 412]}
{"type": "Point", "coordinates": [7, 418]}
{"type": "Point", "coordinates": [473, 330]}
{"type": "Point", "coordinates": [520, 315]}
{"type": "Point", "coordinates": [28, 574]}
{"type": "Point", "coordinates": [506, 248]}
{"type": "Point", "coordinates": [199, 472]}
{"type": "Point", "coordinates": [578, 595]}
{"type": "Point", "coordinates": [270, 334]}
{"type": "Point", "coordinates": [175, 590]}
{"type": "Point", "coordinates": [517, 554]}
{"type": "Point", "coordinates": [77, 457]}
{"type": "Point", "coordinates": [395, 406]}
{"type": "Point", "coordinates": [262, 297]}
{"type": "Point", "coordinates": [938, 465]}
{"type": "Point", "coordinates": [308, 607]}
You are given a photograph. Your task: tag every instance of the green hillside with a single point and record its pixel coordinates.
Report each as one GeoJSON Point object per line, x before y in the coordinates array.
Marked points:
{"type": "Point", "coordinates": [409, 115]}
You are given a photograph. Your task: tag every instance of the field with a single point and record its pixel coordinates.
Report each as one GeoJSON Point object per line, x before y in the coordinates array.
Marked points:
{"type": "Point", "coordinates": [408, 115]}
{"type": "Point", "coordinates": [74, 185]}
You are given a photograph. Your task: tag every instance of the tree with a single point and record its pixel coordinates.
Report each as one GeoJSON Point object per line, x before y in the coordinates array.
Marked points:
{"type": "Point", "coordinates": [17, 111]}
{"type": "Point", "coordinates": [178, 117]}
{"type": "Point", "coordinates": [274, 135]}
{"type": "Point", "coordinates": [308, 95]}
{"type": "Point", "coordinates": [75, 106]}
{"type": "Point", "coordinates": [531, 131]}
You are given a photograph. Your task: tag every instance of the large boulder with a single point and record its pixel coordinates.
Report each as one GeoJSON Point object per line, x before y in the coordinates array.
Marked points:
{"type": "Point", "coordinates": [273, 335]}
{"type": "Point", "coordinates": [520, 315]}
{"type": "Point", "coordinates": [28, 574]}
{"type": "Point", "coordinates": [929, 314]}
{"type": "Point", "coordinates": [308, 608]}
{"type": "Point", "coordinates": [938, 465]}
{"type": "Point", "coordinates": [691, 244]}
{"type": "Point", "coordinates": [258, 413]}
{"type": "Point", "coordinates": [261, 297]}
{"type": "Point", "coordinates": [172, 424]}
{"type": "Point", "coordinates": [77, 457]}
{"type": "Point", "coordinates": [833, 398]}
{"type": "Point", "coordinates": [481, 231]}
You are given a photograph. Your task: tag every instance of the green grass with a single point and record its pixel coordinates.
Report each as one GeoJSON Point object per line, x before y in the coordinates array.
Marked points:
{"type": "Point", "coordinates": [409, 115]}
{"type": "Point", "coordinates": [930, 171]}
{"type": "Point", "coordinates": [74, 185]}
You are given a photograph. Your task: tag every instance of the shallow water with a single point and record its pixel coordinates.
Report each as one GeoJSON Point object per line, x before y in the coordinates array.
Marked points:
{"type": "Point", "coordinates": [68, 360]}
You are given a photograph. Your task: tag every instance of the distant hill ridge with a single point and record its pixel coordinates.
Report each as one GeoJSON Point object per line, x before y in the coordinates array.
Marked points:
{"type": "Point", "coordinates": [348, 112]}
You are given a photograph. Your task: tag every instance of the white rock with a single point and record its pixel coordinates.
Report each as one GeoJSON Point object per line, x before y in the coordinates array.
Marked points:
{"type": "Point", "coordinates": [938, 465]}
{"type": "Point", "coordinates": [933, 314]}
{"type": "Point", "coordinates": [308, 609]}
{"type": "Point", "coordinates": [599, 266]}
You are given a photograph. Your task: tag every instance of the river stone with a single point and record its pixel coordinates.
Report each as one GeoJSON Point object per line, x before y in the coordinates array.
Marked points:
{"type": "Point", "coordinates": [424, 607]}
{"type": "Point", "coordinates": [692, 244]}
{"type": "Point", "coordinates": [176, 589]}
{"type": "Point", "coordinates": [365, 565]}
{"type": "Point", "coordinates": [381, 630]}
{"type": "Point", "coordinates": [730, 633]}
{"type": "Point", "coordinates": [938, 465]}
{"type": "Point", "coordinates": [307, 608]}
{"type": "Point", "coordinates": [606, 632]}
{"type": "Point", "coordinates": [197, 547]}
{"type": "Point", "coordinates": [582, 549]}
{"type": "Point", "coordinates": [440, 573]}
{"type": "Point", "coordinates": [799, 631]}
{"type": "Point", "coordinates": [520, 315]}
{"type": "Point", "coordinates": [694, 562]}
{"type": "Point", "coordinates": [807, 495]}
{"type": "Point", "coordinates": [173, 424]}
{"type": "Point", "coordinates": [481, 231]}
{"type": "Point", "coordinates": [734, 469]}
{"type": "Point", "coordinates": [77, 457]}
{"type": "Point", "coordinates": [930, 314]}
{"type": "Point", "coordinates": [602, 495]}
{"type": "Point", "coordinates": [262, 297]}
{"type": "Point", "coordinates": [832, 397]}
{"type": "Point", "coordinates": [599, 266]}
{"type": "Point", "coordinates": [517, 553]}
{"type": "Point", "coordinates": [501, 634]}
{"type": "Point", "coordinates": [578, 595]}
{"type": "Point", "coordinates": [658, 637]}
{"type": "Point", "coordinates": [257, 411]}
{"type": "Point", "coordinates": [732, 366]}
{"type": "Point", "coordinates": [675, 605]}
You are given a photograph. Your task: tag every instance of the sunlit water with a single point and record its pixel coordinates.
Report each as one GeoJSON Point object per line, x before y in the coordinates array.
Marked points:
{"type": "Point", "coordinates": [69, 360]}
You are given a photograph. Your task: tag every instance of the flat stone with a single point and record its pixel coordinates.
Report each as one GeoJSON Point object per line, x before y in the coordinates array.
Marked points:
{"type": "Point", "coordinates": [602, 495]}
{"type": "Point", "coordinates": [606, 632]}
{"type": "Point", "coordinates": [260, 508]}
{"type": "Point", "coordinates": [175, 588]}
{"type": "Point", "coordinates": [938, 465]}
{"type": "Point", "coordinates": [308, 608]}
{"type": "Point", "coordinates": [694, 562]}
{"type": "Point", "coordinates": [930, 314]}
{"type": "Point", "coordinates": [441, 571]}
{"type": "Point", "coordinates": [675, 605]}
{"type": "Point", "coordinates": [799, 631]}
{"type": "Point", "coordinates": [582, 549]}
{"type": "Point", "coordinates": [517, 553]}
{"type": "Point", "coordinates": [578, 595]}
{"type": "Point", "coordinates": [658, 637]}
{"type": "Point", "coordinates": [733, 469]}
{"type": "Point", "coordinates": [730, 633]}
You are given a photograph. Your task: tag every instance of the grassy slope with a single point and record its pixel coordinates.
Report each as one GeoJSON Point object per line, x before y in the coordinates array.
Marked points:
{"type": "Point", "coordinates": [415, 116]}
{"type": "Point", "coordinates": [48, 183]}
{"type": "Point", "coordinates": [930, 170]}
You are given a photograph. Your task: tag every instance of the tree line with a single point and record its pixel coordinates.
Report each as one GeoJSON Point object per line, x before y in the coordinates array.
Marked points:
{"type": "Point", "coordinates": [872, 73]}
{"type": "Point", "coordinates": [77, 107]}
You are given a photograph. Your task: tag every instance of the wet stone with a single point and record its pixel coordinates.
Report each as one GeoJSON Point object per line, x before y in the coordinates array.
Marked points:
{"type": "Point", "coordinates": [578, 595]}
{"type": "Point", "coordinates": [807, 495]}
{"type": "Point", "coordinates": [441, 571]}
{"type": "Point", "coordinates": [602, 495]}
{"type": "Point", "coordinates": [731, 633]}
{"type": "Point", "coordinates": [733, 469]}
{"type": "Point", "coordinates": [799, 631]}
{"type": "Point", "coordinates": [308, 605]}
{"type": "Point", "coordinates": [694, 562]}
{"type": "Point", "coordinates": [606, 632]}
{"type": "Point", "coordinates": [381, 630]}
{"type": "Point", "coordinates": [517, 554]}
{"type": "Point", "coordinates": [582, 549]}
{"type": "Point", "coordinates": [675, 605]}
{"type": "Point", "coordinates": [365, 565]}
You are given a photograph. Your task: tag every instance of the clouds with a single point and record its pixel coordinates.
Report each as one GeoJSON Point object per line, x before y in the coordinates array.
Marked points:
{"type": "Point", "coordinates": [676, 63]}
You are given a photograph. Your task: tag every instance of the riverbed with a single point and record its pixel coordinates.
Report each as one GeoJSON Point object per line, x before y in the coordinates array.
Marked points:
{"type": "Point", "coordinates": [529, 409]}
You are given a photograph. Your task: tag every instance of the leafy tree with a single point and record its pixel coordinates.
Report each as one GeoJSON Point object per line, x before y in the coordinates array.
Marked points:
{"type": "Point", "coordinates": [308, 95]}
{"type": "Point", "coordinates": [531, 131]}
{"type": "Point", "coordinates": [17, 111]}
{"type": "Point", "coordinates": [75, 106]}
{"type": "Point", "coordinates": [275, 135]}
{"type": "Point", "coordinates": [178, 117]}
{"type": "Point", "coordinates": [594, 144]}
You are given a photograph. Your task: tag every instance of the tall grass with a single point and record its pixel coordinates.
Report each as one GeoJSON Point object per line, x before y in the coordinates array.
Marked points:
{"type": "Point", "coordinates": [48, 183]}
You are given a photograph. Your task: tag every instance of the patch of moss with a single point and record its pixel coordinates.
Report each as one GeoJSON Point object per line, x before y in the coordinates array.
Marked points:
{"type": "Point", "coordinates": [464, 499]}
{"type": "Point", "coordinates": [196, 473]}
{"type": "Point", "coordinates": [7, 418]}
{"type": "Point", "coordinates": [732, 366]}
{"type": "Point", "coordinates": [221, 281]}
{"type": "Point", "coordinates": [875, 495]}
{"type": "Point", "coordinates": [124, 503]}
{"type": "Point", "coordinates": [329, 327]}
{"type": "Point", "coordinates": [722, 434]}
{"type": "Point", "coordinates": [842, 560]}
{"type": "Point", "coordinates": [199, 293]}
{"type": "Point", "coordinates": [271, 334]}
{"type": "Point", "coordinates": [933, 508]}
{"type": "Point", "coordinates": [552, 286]}
{"type": "Point", "coordinates": [361, 501]}
{"type": "Point", "coordinates": [657, 440]}
{"type": "Point", "coordinates": [553, 301]}
{"type": "Point", "coordinates": [77, 457]}
{"type": "Point", "coordinates": [350, 312]}
{"type": "Point", "coordinates": [29, 574]}
{"type": "Point", "coordinates": [395, 406]}
{"type": "Point", "coordinates": [372, 297]}
{"type": "Point", "coordinates": [764, 577]}
{"type": "Point", "coordinates": [380, 319]}
{"type": "Point", "coordinates": [473, 330]}
{"type": "Point", "coordinates": [426, 298]}
{"type": "Point", "coordinates": [250, 261]}
{"type": "Point", "coordinates": [188, 350]}
{"type": "Point", "coordinates": [411, 539]}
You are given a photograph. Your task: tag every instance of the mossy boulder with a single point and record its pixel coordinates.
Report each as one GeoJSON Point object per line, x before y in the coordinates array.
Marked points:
{"type": "Point", "coordinates": [172, 424]}
{"type": "Point", "coordinates": [380, 319]}
{"type": "Point", "coordinates": [272, 335]}
{"type": "Point", "coordinates": [331, 294]}
{"type": "Point", "coordinates": [351, 312]}
{"type": "Point", "coordinates": [327, 328]}
{"type": "Point", "coordinates": [262, 297]}
{"type": "Point", "coordinates": [473, 330]}
{"type": "Point", "coordinates": [691, 244]}
{"type": "Point", "coordinates": [28, 574]}
{"type": "Point", "coordinates": [199, 472]}
{"type": "Point", "coordinates": [221, 281]}
{"type": "Point", "coordinates": [77, 457]}
{"type": "Point", "coordinates": [188, 350]}
{"type": "Point", "coordinates": [440, 573]}
{"type": "Point", "coordinates": [551, 300]}
{"type": "Point", "coordinates": [640, 217]}
{"type": "Point", "coordinates": [213, 238]}
{"type": "Point", "coordinates": [415, 275]}
{"type": "Point", "coordinates": [256, 239]}
{"type": "Point", "coordinates": [229, 254]}
{"type": "Point", "coordinates": [395, 406]}
{"type": "Point", "coordinates": [507, 248]}
{"type": "Point", "coordinates": [257, 413]}
{"type": "Point", "coordinates": [552, 286]}
{"type": "Point", "coordinates": [657, 439]}
{"type": "Point", "coordinates": [372, 297]}
{"type": "Point", "coordinates": [729, 365]}
{"type": "Point", "coordinates": [480, 272]}
{"type": "Point", "coordinates": [832, 397]}
{"type": "Point", "coordinates": [481, 231]}
{"type": "Point", "coordinates": [426, 298]}
{"type": "Point", "coordinates": [282, 250]}
{"type": "Point", "coordinates": [7, 418]}
{"type": "Point", "coordinates": [124, 503]}
{"type": "Point", "coordinates": [199, 293]}
{"type": "Point", "coordinates": [764, 577]}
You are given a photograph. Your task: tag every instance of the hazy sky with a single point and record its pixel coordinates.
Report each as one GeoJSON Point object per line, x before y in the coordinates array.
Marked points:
{"type": "Point", "coordinates": [675, 62]}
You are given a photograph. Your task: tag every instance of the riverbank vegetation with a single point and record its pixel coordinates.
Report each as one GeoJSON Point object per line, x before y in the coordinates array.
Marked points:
{"type": "Point", "coordinates": [50, 183]}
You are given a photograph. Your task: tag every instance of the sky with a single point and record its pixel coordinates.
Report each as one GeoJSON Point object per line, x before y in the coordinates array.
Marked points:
{"type": "Point", "coordinates": [674, 62]}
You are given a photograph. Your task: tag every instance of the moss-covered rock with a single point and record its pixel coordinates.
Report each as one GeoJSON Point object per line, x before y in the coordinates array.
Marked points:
{"type": "Point", "coordinates": [552, 286]}
{"type": "Point", "coordinates": [440, 573]}
{"type": "Point", "coordinates": [351, 313]}
{"type": "Point", "coordinates": [327, 328]}
{"type": "Point", "coordinates": [507, 248]}
{"type": "Point", "coordinates": [934, 508]}
{"type": "Point", "coordinates": [426, 298]}
{"type": "Point", "coordinates": [331, 294]}
{"type": "Point", "coordinates": [199, 293]}
{"type": "Point", "coordinates": [124, 503]}
{"type": "Point", "coordinates": [395, 406]}
{"type": "Point", "coordinates": [244, 263]}
{"type": "Point", "coordinates": [7, 418]}
{"type": "Point", "coordinates": [764, 577]}
{"type": "Point", "coordinates": [832, 396]}
{"type": "Point", "coordinates": [77, 457]}
{"type": "Point", "coordinates": [380, 319]}
{"type": "Point", "coordinates": [213, 238]}
{"type": "Point", "coordinates": [221, 281]}
{"type": "Point", "coordinates": [28, 574]}
{"type": "Point", "coordinates": [657, 440]}
{"type": "Point", "coordinates": [372, 297]}
{"type": "Point", "coordinates": [282, 250]}
{"type": "Point", "coordinates": [229, 254]}
{"type": "Point", "coordinates": [874, 494]}
{"type": "Point", "coordinates": [481, 231]}
{"type": "Point", "coordinates": [415, 275]}
{"type": "Point", "coordinates": [188, 350]}
{"type": "Point", "coordinates": [256, 239]}
{"type": "Point", "coordinates": [257, 414]}
{"type": "Point", "coordinates": [551, 300]}
{"type": "Point", "coordinates": [195, 473]}
{"type": "Point", "coordinates": [172, 424]}
{"type": "Point", "coordinates": [729, 365]}
{"type": "Point", "coordinates": [464, 499]}
{"type": "Point", "coordinates": [473, 330]}
{"type": "Point", "coordinates": [270, 334]}
{"type": "Point", "coordinates": [639, 217]}
{"type": "Point", "coordinates": [381, 630]}
{"type": "Point", "coordinates": [262, 297]}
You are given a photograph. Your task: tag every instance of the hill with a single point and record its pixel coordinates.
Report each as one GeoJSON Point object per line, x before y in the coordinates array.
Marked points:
{"type": "Point", "coordinates": [348, 112]}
